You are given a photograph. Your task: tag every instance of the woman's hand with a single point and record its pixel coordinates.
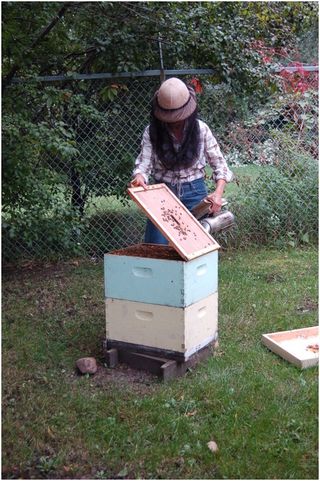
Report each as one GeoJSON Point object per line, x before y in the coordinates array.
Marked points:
{"type": "Point", "coordinates": [138, 181]}
{"type": "Point", "coordinates": [215, 200]}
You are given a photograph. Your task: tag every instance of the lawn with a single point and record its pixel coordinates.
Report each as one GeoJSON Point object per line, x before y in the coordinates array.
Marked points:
{"type": "Point", "coordinates": [260, 410]}
{"type": "Point", "coordinates": [245, 174]}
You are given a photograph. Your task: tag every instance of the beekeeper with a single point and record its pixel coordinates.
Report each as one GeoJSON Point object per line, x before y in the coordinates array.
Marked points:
{"type": "Point", "coordinates": [175, 149]}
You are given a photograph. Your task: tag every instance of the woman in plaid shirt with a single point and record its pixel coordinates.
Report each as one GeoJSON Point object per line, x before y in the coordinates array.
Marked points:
{"type": "Point", "coordinates": [175, 149]}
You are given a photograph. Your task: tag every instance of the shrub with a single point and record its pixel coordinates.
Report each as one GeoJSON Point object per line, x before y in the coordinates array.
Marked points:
{"type": "Point", "coordinates": [38, 232]}
{"type": "Point", "coordinates": [281, 206]}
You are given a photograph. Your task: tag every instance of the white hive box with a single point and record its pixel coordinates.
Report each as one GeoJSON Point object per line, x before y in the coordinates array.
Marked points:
{"type": "Point", "coordinates": [172, 332]}
{"type": "Point", "coordinates": [163, 300]}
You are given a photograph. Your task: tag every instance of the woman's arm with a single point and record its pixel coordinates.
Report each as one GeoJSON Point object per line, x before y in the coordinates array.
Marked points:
{"type": "Point", "coordinates": [221, 172]}
{"type": "Point", "coordinates": [144, 162]}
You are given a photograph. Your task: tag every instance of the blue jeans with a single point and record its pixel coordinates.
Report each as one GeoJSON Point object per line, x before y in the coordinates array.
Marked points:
{"type": "Point", "coordinates": [190, 194]}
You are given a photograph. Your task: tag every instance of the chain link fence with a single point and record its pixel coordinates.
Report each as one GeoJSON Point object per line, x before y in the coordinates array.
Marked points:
{"type": "Point", "coordinates": [272, 150]}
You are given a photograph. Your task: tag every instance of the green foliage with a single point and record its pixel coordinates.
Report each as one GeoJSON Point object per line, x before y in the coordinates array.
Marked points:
{"type": "Point", "coordinates": [219, 106]}
{"type": "Point", "coordinates": [57, 141]}
{"type": "Point", "coordinates": [45, 229]}
{"type": "Point", "coordinates": [259, 134]}
{"type": "Point", "coordinates": [123, 36]}
{"type": "Point", "coordinates": [309, 43]}
{"type": "Point", "coordinates": [281, 206]}
{"type": "Point", "coordinates": [47, 465]}
{"type": "Point", "coordinates": [25, 147]}
{"type": "Point", "coordinates": [42, 162]}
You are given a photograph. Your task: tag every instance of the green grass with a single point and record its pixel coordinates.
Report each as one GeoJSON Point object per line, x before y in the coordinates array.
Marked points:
{"type": "Point", "coordinates": [110, 222]}
{"type": "Point", "coordinates": [110, 204]}
{"type": "Point", "coordinates": [245, 174]}
{"type": "Point", "coordinates": [260, 410]}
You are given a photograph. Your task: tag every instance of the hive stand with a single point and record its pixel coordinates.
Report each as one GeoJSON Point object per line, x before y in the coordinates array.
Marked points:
{"type": "Point", "coordinates": [165, 368]}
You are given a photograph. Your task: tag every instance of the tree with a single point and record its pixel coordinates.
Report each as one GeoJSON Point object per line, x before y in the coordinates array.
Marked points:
{"type": "Point", "coordinates": [53, 38]}
{"type": "Point", "coordinates": [42, 147]}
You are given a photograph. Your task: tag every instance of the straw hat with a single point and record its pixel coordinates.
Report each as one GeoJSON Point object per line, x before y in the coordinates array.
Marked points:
{"type": "Point", "coordinates": [174, 101]}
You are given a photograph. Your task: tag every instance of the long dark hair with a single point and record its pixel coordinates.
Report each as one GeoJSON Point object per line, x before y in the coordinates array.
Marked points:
{"type": "Point", "coordinates": [163, 145]}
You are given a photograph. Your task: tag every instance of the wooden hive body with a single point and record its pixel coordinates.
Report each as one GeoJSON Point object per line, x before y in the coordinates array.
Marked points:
{"type": "Point", "coordinates": [160, 280]}
{"type": "Point", "coordinates": [163, 300]}
{"type": "Point", "coordinates": [160, 304]}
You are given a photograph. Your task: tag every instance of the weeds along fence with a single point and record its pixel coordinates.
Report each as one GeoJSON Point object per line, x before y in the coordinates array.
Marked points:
{"type": "Point", "coordinates": [86, 135]}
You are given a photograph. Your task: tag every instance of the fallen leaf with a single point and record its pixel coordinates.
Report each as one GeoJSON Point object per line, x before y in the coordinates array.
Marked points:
{"type": "Point", "coordinates": [122, 473]}
{"type": "Point", "coordinates": [28, 264]}
{"type": "Point", "coordinates": [191, 413]}
{"type": "Point", "coordinates": [218, 353]}
{"type": "Point", "coordinates": [212, 445]}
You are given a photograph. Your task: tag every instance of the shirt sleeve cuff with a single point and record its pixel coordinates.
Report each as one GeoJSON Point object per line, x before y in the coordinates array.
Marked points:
{"type": "Point", "coordinates": [138, 171]}
{"type": "Point", "coordinates": [228, 177]}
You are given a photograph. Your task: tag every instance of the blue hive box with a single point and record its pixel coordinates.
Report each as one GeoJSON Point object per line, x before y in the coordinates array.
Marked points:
{"type": "Point", "coordinates": [160, 277]}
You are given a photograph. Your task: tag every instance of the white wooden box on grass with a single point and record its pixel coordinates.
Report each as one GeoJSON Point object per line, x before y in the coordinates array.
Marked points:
{"type": "Point", "coordinates": [295, 345]}
{"type": "Point", "coordinates": [165, 281]}
{"type": "Point", "coordinates": [177, 331]}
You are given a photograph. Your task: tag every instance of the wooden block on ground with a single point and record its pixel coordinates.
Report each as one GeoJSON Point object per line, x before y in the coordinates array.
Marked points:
{"type": "Point", "coordinates": [169, 370]}
{"type": "Point", "coordinates": [112, 358]}
{"type": "Point", "coordinates": [142, 362]}
{"type": "Point", "coordinates": [166, 369]}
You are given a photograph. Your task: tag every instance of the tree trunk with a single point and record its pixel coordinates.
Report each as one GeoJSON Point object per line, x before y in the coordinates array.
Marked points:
{"type": "Point", "coordinates": [77, 199]}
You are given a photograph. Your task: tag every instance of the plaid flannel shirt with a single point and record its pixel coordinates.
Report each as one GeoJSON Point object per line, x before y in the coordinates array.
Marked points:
{"type": "Point", "coordinates": [147, 162]}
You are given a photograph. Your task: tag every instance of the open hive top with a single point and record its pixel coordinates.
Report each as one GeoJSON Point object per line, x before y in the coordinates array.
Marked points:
{"type": "Point", "coordinates": [299, 346]}
{"type": "Point", "coordinates": [173, 219]}
{"type": "Point", "coordinates": [151, 251]}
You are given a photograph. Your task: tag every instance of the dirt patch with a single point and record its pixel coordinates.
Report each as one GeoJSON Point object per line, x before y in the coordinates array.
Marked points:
{"type": "Point", "coordinates": [307, 305]}
{"type": "Point", "coordinates": [274, 277]}
{"type": "Point", "coordinates": [33, 269]}
{"type": "Point", "coordinates": [39, 269]}
{"type": "Point", "coordinates": [122, 377]}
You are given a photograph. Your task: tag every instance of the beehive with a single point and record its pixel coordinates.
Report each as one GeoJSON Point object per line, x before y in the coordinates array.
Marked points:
{"type": "Point", "coordinates": [158, 302]}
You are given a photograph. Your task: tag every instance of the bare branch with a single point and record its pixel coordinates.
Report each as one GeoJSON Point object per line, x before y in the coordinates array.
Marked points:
{"type": "Point", "coordinates": [8, 79]}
